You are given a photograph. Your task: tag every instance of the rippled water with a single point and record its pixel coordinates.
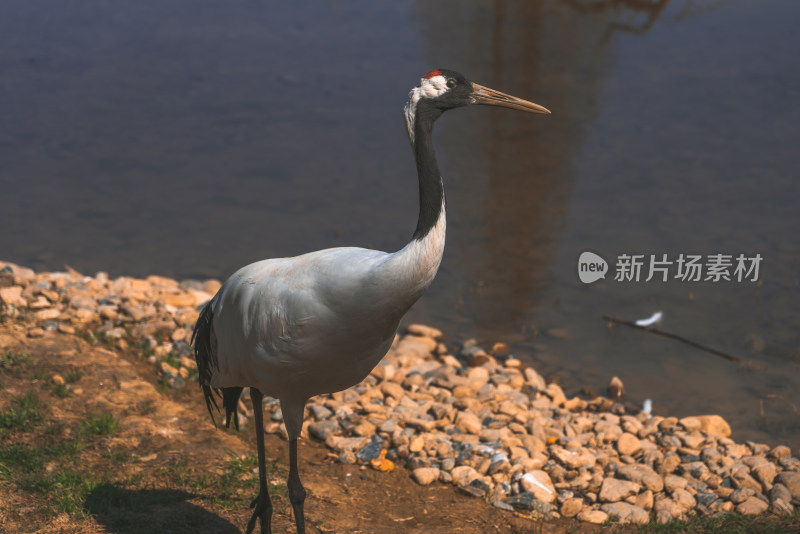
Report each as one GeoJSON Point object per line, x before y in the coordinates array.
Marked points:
{"type": "Point", "coordinates": [190, 138]}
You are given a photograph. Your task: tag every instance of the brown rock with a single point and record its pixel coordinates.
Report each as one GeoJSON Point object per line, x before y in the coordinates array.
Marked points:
{"type": "Point", "coordinates": [538, 482]}
{"type": "Point", "coordinates": [690, 423]}
{"type": "Point", "coordinates": [65, 329]}
{"type": "Point", "coordinates": [48, 314]}
{"type": "Point", "coordinates": [468, 422]}
{"type": "Point", "coordinates": [35, 332]}
{"type": "Point", "coordinates": [417, 444]}
{"type": "Point", "coordinates": [672, 482]}
{"type": "Point", "coordinates": [644, 500]}
{"type": "Point", "coordinates": [616, 390]}
{"type": "Point", "coordinates": [477, 377]}
{"type": "Point", "coordinates": [714, 425]}
{"type": "Point", "coordinates": [596, 517]}
{"type": "Point", "coordinates": [555, 392]}
{"type": "Point", "coordinates": [12, 296]}
{"type": "Point", "coordinates": [571, 507]}
{"type": "Point", "coordinates": [752, 506]}
{"type": "Point", "coordinates": [424, 331]}
{"type": "Point", "coordinates": [628, 444]}
{"type": "Point", "coordinates": [178, 300]}
{"type": "Point", "coordinates": [499, 349]}
{"type": "Point", "coordinates": [463, 475]}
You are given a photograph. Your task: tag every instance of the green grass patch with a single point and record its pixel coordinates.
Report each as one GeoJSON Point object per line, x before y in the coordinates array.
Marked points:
{"type": "Point", "coordinates": [91, 337]}
{"type": "Point", "coordinates": [119, 456]}
{"type": "Point", "coordinates": [98, 425]}
{"type": "Point", "coordinates": [73, 376]}
{"type": "Point", "coordinates": [66, 489]}
{"type": "Point", "coordinates": [61, 391]}
{"type": "Point", "coordinates": [15, 359]}
{"type": "Point", "coordinates": [732, 523]}
{"type": "Point", "coordinates": [177, 471]}
{"type": "Point", "coordinates": [16, 457]}
{"type": "Point", "coordinates": [25, 413]}
{"type": "Point", "coordinates": [172, 359]}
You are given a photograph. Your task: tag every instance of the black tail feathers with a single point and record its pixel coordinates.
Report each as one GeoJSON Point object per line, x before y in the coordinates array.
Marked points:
{"type": "Point", "coordinates": [205, 354]}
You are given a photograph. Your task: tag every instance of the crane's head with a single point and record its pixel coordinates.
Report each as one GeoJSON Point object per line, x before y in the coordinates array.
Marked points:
{"type": "Point", "coordinates": [443, 89]}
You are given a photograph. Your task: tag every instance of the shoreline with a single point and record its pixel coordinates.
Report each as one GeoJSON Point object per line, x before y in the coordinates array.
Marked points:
{"type": "Point", "coordinates": [482, 421]}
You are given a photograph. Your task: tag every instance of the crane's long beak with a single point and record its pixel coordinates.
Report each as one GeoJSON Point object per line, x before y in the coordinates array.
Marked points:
{"type": "Point", "coordinates": [484, 95]}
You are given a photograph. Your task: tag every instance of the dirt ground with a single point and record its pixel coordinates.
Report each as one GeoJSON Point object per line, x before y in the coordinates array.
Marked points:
{"type": "Point", "coordinates": [113, 450]}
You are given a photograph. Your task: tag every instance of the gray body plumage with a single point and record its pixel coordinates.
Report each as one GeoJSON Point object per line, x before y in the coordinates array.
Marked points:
{"type": "Point", "coordinates": [316, 323]}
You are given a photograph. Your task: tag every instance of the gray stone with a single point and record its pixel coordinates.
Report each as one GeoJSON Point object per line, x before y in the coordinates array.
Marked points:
{"type": "Point", "coordinates": [614, 490]}
{"type": "Point", "coordinates": [322, 429]}
{"type": "Point", "coordinates": [523, 501]}
{"type": "Point", "coordinates": [319, 412]}
{"type": "Point", "coordinates": [626, 513]}
{"type": "Point", "coordinates": [779, 491]}
{"type": "Point", "coordinates": [683, 499]}
{"type": "Point", "coordinates": [791, 479]}
{"type": "Point", "coordinates": [705, 498]}
{"type": "Point", "coordinates": [740, 495]}
{"type": "Point", "coordinates": [371, 450]}
{"type": "Point", "coordinates": [781, 507]}
{"type": "Point", "coordinates": [641, 474]}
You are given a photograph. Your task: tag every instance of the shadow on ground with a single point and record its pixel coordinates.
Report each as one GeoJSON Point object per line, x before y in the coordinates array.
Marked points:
{"type": "Point", "coordinates": [125, 511]}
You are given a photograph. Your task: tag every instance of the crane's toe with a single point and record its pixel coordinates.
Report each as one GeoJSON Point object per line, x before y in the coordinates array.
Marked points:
{"type": "Point", "coordinates": [263, 511]}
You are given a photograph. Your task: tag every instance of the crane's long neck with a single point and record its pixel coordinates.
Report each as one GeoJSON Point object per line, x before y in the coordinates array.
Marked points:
{"type": "Point", "coordinates": [414, 267]}
{"type": "Point", "coordinates": [419, 122]}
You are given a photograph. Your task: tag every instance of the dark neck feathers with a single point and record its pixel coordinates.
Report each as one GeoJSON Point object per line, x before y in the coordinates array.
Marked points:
{"type": "Point", "coordinates": [431, 191]}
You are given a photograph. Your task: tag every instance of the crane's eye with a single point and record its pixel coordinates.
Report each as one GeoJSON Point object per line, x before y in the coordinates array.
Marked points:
{"type": "Point", "coordinates": [451, 83]}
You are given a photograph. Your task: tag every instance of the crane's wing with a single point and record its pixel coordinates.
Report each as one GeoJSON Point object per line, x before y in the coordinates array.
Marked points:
{"type": "Point", "coordinates": [298, 322]}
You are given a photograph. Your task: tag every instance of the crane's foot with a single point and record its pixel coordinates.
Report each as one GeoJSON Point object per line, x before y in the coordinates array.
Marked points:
{"type": "Point", "coordinates": [263, 511]}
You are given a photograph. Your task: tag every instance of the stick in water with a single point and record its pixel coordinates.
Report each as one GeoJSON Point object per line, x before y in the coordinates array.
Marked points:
{"type": "Point", "coordinates": [672, 336]}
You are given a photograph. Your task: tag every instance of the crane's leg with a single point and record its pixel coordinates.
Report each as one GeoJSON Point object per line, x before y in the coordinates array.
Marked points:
{"type": "Point", "coordinates": [262, 503]}
{"type": "Point", "coordinates": [297, 494]}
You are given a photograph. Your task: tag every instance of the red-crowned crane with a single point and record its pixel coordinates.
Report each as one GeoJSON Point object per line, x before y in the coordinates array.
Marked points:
{"type": "Point", "coordinates": [318, 323]}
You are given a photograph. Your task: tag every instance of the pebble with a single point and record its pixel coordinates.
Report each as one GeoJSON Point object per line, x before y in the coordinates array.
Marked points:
{"type": "Point", "coordinates": [626, 513]}
{"type": "Point", "coordinates": [322, 429]}
{"type": "Point", "coordinates": [596, 517]}
{"type": "Point", "coordinates": [714, 425]}
{"type": "Point", "coordinates": [752, 506]}
{"type": "Point", "coordinates": [539, 484]}
{"type": "Point", "coordinates": [628, 444]}
{"type": "Point", "coordinates": [425, 475]}
{"type": "Point", "coordinates": [571, 507]}
{"type": "Point", "coordinates": [614, 490]}
{"type": "Point", "coordinates": [791, 480]}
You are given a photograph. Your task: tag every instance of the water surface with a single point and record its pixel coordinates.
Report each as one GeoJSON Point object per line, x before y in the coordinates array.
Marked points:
{"type": "Point", "coordinates": [190, 138]}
